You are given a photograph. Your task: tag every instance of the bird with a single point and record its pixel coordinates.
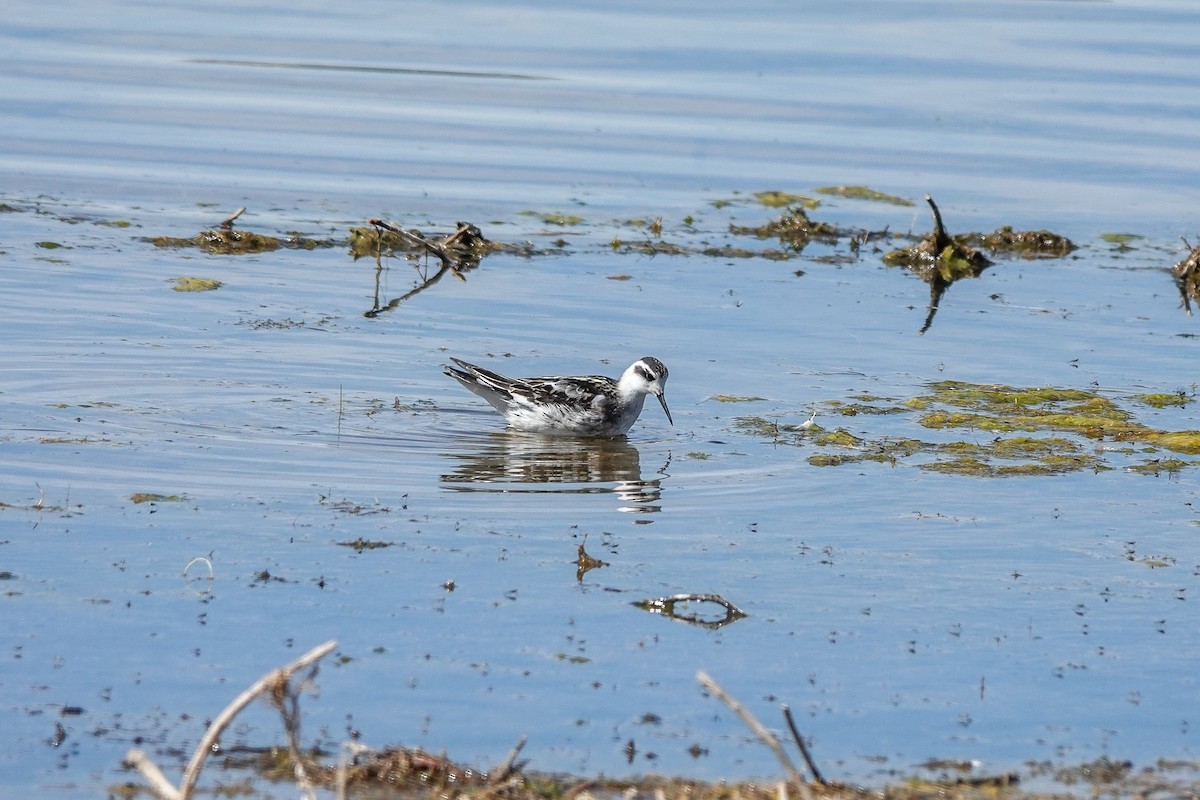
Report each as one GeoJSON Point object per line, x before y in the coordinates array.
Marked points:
{"type": "Point", "coordinates": [588, 405]}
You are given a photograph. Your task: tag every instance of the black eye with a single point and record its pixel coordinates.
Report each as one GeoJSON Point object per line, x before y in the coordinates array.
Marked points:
{"type": "Point", "coordinates": [644, 373]}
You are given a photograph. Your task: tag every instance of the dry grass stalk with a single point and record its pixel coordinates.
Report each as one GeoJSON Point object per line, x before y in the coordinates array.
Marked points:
{"type": "Point", "coordinates": [274, 685]}
{"type": "Point", "coordinates": [759, 730]}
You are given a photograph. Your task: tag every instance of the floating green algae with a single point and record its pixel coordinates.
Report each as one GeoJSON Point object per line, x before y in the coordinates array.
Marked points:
{"type": "Point", "coordinates": [192, 284]}
{"type": "Point", "coordinates": [1164, 399]}
{"type": "Point", "coordinates": [1157, 466]}
{"type": "Point", "coordinates": [153, 497]}
{"type": "Point", "coordinates": [1123, 241]}
{"type": "Point", "coordinates": [838, 438]}
{"type": "Point", "coordinates": [651, 247]}
{"type": "Point", "coordinates": [998, 408]}
{"type": "Point", "coordinates": [662, 247]}
{"type": "Point", "coordinates": [1187, 442]}
{"type": "Point", "coordinates": [1029, 431]}
{"type": "Point", "coordinates": [865, 405]}
{"type": "Point", "coordinates": [864, 193]}
{"type": "Point", "coordinates": [775, 198]}
{"type": "Point", "coordinates": [555, 218]}
{"type": "Point", "coordinates": [768, 427]}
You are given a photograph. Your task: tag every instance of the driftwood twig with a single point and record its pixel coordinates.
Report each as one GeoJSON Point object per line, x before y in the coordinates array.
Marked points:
{"type": "Point", "coordinates": [437, 248]}
{"type": "Point", "coordinates": [666, 607]}
{"type": "Point", "coordinates": [227, 223]}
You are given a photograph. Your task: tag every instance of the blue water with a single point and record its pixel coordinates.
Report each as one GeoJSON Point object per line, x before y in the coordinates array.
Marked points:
{"type": "Point", "coordinates": [903, 615]}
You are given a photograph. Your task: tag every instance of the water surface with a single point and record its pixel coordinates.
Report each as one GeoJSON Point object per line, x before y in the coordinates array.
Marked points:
{"type": "Point", "coordinates": [903, 614]}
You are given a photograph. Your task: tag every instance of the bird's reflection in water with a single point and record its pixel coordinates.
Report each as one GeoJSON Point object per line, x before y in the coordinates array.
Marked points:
{"type": "Point", "coordinates": [521, 462]}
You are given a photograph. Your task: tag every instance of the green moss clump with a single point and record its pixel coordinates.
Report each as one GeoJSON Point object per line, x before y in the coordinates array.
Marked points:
{"type": "Point", "coordinates": [793, 229]}
{"type": "Point", "coordinates": [830, 459]}
{"type": "Point", "coordinates": [223, 241]}
{"type": "Point", "coordinates": [190, 284]}
{"type": "Point", "coordinates": [1028, 447]}
{"type": "Point", "coordinates": [839, 438]}
{"type": "Point", "coordinates": [1164, 399]}
{"type": "Point", "coordinates": [1027, 244]}
{"type": "Point", "coordinates": [367, 242]}
{"type": "Point", "coordinates": [1156, 466]}
{"type": "Point", "coordinates": [1187, 442]}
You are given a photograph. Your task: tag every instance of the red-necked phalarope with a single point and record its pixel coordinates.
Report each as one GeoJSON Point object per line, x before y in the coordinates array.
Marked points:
{"type": "Point", "coordinates": [589, 405]}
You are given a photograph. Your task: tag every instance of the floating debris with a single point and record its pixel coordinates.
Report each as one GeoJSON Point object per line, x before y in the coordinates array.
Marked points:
{"type": "Point", "coordinates": [1026, 244]}
{"type": "Point", "coordinates": [151, 497]}
{"type": "Point", "coordinates": [939, 260]}
{"type": "Point", "coordinates": [360, 544]}
{"type": "Point", "coordinates": [793, 229]}
{"type": "Point", "coordinates": [667, 607]}
{"type": "Point", "coordinates": [1165, 399]}
{"type": "Point", "coordinates": [1187, 276]}
{"type": "Point", "coordinates": [458, 253]}
{"type": "Point", "coordinates": [585, 562]}
{"type": "Point", "coordinates": [460, 250]}
{"type": "Point", "coordinates": [939, 254]}
{"type": "Point", "coordinates": [225, 240]}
